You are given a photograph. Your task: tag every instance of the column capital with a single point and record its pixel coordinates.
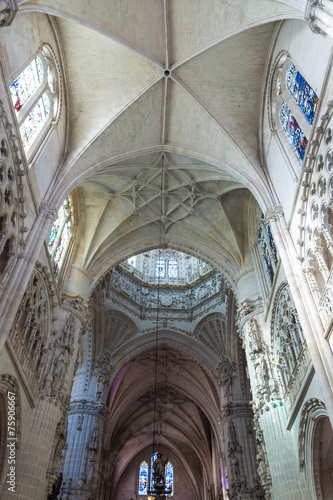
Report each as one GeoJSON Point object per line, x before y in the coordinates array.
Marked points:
{"type": "Point", "coordinates": [88, 407]}
{"type": "Point", "coordinates": [49, 213]}
{"type": "Point", "coordinates": [246, 309]}
{"type": "Point", "coordinates": [274, 213]}
{"type": "Point", "coordinates": [8, 10]}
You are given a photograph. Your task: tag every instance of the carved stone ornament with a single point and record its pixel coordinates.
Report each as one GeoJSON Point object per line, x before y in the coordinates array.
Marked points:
{"type": "Point", "coordinates": [8, 9]}
{"type": "Point", "coordinates": [291, 355]}
{"type": "Point", "coordinates": [266, 386]}
{"type": "Point", "coordinates": [88, 407]}
{"type": "Point", "coordinates": [225, 370]}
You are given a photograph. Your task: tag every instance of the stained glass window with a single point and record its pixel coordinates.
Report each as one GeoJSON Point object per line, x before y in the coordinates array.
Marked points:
{"type": "Point", "coordinates": [302, 93]}
{"type": "Point", "coordinates": [173, 268]}
{"type": "Point", "coordinates": [33, 97]}
{"type": "Point", "coordinates": [153, 458]}
{"type": "Point", "coordinates": [160, 268]}
{"type": "Point", "coordinates": [143, 479]}
{"type": "Point", "coordinates": [169, 478]}
{"type": "Point", "coordinates": [60, 235]}
{"type": "Point", "coordinates": [293, 131]}
{"type": "Point", "coordinates": [35, 121]}
{"type": "Point", "coordinates": [132, 261]}
{"type": "Point", "coordinates": [26, 83]}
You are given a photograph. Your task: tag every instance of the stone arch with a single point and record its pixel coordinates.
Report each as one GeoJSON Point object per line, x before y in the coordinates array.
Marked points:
{"type": "Point", "coordinates": [314, 425]}
{"type": "Point", "coordinates": [211, 331]}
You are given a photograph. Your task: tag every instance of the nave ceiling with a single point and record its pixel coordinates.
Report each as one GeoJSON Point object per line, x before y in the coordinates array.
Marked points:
{"type": "Point", "coordinates": [145, 79]}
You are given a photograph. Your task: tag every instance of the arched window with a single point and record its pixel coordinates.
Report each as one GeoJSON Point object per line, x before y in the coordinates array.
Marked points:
{"type": "Point", "coordinates": [293, 106]}
{"type": "Point", "coordinates": [301, 92]}
{"type": "Point", "coordinates": [143, 479]}
{"type": "Point", "coordinates": [267, 247]}
{"type": "Point", "coordinates": [293, 131]}
{"type": "Point", "coordinates": [60, 235]}
{"type": "Point", "coordinates": [160, 268]}
{"type": "Point", "coordinates": [173, 268]}
{"type": "Point", "coordinates": [169, 478]}
{"type": "Point", "coordinates": [34, 96]}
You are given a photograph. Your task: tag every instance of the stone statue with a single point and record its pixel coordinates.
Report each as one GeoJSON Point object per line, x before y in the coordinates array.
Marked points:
{"type": "Point", "coordinates": [159, 470]}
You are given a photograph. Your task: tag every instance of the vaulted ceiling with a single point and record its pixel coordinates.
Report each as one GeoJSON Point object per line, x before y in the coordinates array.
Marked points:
{"type": "Point", "coordinates": [165, 105]}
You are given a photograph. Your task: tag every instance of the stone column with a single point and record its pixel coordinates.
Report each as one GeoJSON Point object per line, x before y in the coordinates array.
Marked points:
{"type": "Point", "coordinates": [276, 459]}
{"type": "Point", "coordinates": [55, 373]}
{"type": "Point", "coordinates": [34, 454]}
{"type": "Point", "coordinates": [243, 480]}
{"type": "Point", "coordinates": [311, 323]}
{"type": "Point", "coordinates": [85, 428]}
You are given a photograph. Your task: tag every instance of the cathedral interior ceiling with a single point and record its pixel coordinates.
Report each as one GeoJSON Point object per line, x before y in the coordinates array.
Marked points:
{"type": "Point", "coordinates": [185, 387]}
{"type": "Point", "coordinates": [137, 90]}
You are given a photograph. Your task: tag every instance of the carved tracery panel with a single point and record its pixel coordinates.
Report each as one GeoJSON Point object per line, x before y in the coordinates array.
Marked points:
{"type": "Point", "coordinates": [316, 221]}
{"type": "Point", "coordinates": [12, 202]}
{"type": "Point", "coordinates": [30, 331]}
{"type": "Point", "coordinates": [290, 351]}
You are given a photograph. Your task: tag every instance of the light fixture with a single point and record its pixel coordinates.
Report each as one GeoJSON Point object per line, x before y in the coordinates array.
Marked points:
{"type": "Point", "coordinates": [158, 491]}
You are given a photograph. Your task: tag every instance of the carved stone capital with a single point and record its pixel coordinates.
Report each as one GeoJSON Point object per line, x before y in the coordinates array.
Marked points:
{"type": "Point", "coordinates": [49, 213]}
{"type": "Point", "coordinates": [89, 407]}
{"type": "Point", "coordinates": [8, 9]}
{"type": "Point", "coordinates": [274, 214]}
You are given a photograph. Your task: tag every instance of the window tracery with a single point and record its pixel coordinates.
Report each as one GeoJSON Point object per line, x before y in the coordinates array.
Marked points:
{"type": "Point", "coordinates": [290, 351]}
{"type": "Point", "coordinates": [12, 206]}
{"type": "Point", "coordinates": [160, 268]}
{"type": "Point", "coordinates": [301, 92]}
{"type": "Point", "coordinates": [293, 131]}
{"type": "Point", "coordinates": [144, 475]}
{"type": "Point", "coordinates": [316, 223]}
{"type": "Point", "coordinates": [29, 334]}
{"type": "Point", "coordinates": [35, 96]}
{"type": "Point", "coordinates": [60, 235]}
{"type": "Point", "coordinates": [293, 103]}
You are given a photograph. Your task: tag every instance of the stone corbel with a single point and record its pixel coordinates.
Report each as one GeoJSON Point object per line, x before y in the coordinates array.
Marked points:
{"type": "Point", "coordinates": [319, 15]}
{"type": "Point", "coordinates": [8, 9]}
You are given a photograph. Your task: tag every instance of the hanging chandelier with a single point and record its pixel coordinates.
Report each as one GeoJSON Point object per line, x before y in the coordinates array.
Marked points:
{"type": "Point", "coordinates": [158, 489]}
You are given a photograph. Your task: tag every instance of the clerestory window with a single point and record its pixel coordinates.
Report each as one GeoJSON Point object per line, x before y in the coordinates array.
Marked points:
{"type": "Point", "coordinates": [293, 104]}
{"type": "Point", "coordinates": [60, 235]}
{"type": "Point", "coordinates": [35, 97]}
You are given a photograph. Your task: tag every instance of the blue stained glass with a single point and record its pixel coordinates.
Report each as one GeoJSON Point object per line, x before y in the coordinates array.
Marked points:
{"type": "Point", "coordinates": [160, 268]}
{"type": "Point", "coordinates": [153, 458]}
{"type": "Point", "coordinates": [293, 131]}
{"type": "Point", "coordinates": [143, 479]}
{"type": "Point", "coordinates": [169, 478]}
{"type": "Point", "coordinates": [169, 484]}
{"type": "Point", "coordinates": [173, 269]}
{"type": "Point", "coordinates": [272, 244]}
{"type": "Point", "coordinates": [302, 93]}
{"type": "Point", "coordinates": [26, 83]}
